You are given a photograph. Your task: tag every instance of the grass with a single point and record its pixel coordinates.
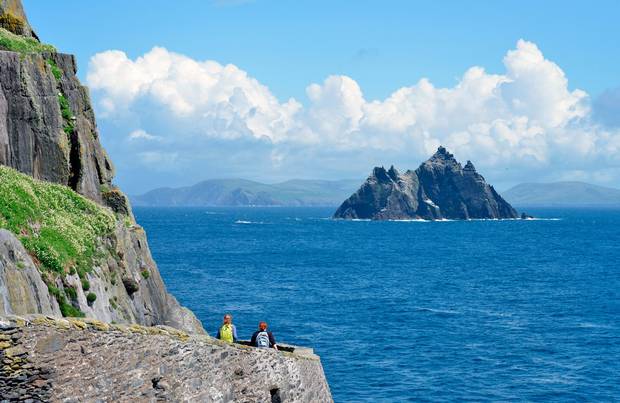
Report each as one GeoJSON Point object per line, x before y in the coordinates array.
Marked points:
{"type": "Point", "coordinates": [69, 310]}
{"type": "Point", "coordinates": [145, 274]}
{"type": "Point", "coordinates": [65, 308]}
{"type": "Point", "coordinates": [67, 114]}
{"type": "Point", "coordinates": [71, 293]}
{"type": "Point", "coordinates": [63, 102]}
{"type": "Point", "coordinates": [59, 227]}
{"type": "Point", "coordinates": [85, 285]}
{"type": "Point", "coordinates": [91, 297]}
{"type": "Point", "coordinates": [56, 71]}
{"type": "Point", "coordinates": [17, 43]}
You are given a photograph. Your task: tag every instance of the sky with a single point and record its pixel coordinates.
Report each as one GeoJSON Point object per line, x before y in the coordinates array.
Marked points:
{"type": "Point", "coordinates": [273, 90]}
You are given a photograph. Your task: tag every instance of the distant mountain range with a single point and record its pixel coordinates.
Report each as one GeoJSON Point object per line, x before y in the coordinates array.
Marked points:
{"type": "Point", "coordinates": [241, 192]}
{"type": "Point", "coordinates": [562, 194]}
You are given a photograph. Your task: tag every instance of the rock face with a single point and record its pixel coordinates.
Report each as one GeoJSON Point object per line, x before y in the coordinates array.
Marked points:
{"type": "Point", "coordinates": [33, 139]}
{"type": "Point", "coordinates": [13, 18]}
{"type": "Point", "coordinates": [48, 131]}
{"type": "Point", "coordinates": [22, 290]}
{"type": "Point", "coordinates": [73, 360]}
{"type": "Point", "coordinates": [439, 189]}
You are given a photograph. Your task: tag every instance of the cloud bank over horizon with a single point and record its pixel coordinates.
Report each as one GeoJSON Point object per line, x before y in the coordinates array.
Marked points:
{"type": "Point", "coordinates": [183, 118]}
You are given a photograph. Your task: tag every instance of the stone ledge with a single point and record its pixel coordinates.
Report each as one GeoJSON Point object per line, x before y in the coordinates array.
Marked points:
{"type": "Point", "coordinates": [89, 324]}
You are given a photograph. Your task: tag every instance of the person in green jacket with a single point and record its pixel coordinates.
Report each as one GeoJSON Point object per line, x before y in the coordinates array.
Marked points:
{"type": "Point", "coordinates": [228, 331]}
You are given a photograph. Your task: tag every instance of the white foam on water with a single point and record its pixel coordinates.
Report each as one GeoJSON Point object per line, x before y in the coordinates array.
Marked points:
{"type": "Point", "coordinates": [444, 219]}
{"type": "Point", "coordinates": [542, 219]}
{"type": "Point", "coordinates": [410, 220]}
{"type": "Point", "coordinates": [244, 222]}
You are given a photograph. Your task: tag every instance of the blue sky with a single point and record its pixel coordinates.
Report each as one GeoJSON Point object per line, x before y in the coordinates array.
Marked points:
{"type": "Point", "coordinates": [381, 46]}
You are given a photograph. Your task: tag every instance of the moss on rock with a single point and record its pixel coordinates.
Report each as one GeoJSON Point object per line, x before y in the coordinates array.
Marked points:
{"type": "Point", "coordinates": [58, 226]}
{"type": "Point", "coordinates": [21, 44]}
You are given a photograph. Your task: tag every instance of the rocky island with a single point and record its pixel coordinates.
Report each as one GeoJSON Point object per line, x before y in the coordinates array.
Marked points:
{"type": "Point", "coordinates": [441, 188]}
{"type": "Point", "coordinates": [84, 312]}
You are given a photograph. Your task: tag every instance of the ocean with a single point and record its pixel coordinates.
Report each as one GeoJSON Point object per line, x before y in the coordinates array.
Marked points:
{"type": "Point", "coordinates": [412, 311]}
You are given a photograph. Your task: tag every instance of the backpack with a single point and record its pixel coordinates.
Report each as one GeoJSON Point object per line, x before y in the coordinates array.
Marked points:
{"type": "Point", "coordinates": [262, 339]}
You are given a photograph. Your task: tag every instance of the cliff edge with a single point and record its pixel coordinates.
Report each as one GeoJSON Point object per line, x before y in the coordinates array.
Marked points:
{"type": "Point", "coordinates": [441, 188]}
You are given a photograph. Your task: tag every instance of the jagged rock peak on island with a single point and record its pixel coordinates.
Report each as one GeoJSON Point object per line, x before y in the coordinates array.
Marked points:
{"type": "Point", "coordinates": [53, 261]}
{"type": "Point", "coordinates": [441, 188]}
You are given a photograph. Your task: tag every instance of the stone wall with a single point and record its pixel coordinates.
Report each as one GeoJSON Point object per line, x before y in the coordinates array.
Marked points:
{"type": "Point", "coordinates": [86, 360]}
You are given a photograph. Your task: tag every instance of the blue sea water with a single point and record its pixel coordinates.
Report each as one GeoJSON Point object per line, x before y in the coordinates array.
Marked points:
{"type": "Point", "coordinates": [412, 311]}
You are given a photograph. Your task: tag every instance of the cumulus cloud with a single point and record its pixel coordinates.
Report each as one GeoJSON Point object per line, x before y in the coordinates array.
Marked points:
{"type": "Point", "coordinates": [526, 116]}
{"type": "Point", "coordinates": [222, 99]}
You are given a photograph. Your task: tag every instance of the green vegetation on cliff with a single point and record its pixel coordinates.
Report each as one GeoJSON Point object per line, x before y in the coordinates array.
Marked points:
{"type": "Point", "coordinates": [56, 71]}
{"type": "Point", "coordinates": [58, 226]}
{"type": "Point", "coordinates": [67, 114]}
{"type": "Point", "coordinates": [17, 43]}
{"type": "Point", "coordinates": [65, 108]}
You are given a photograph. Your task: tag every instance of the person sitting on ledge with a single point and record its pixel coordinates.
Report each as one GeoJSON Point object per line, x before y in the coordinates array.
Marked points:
{"type": "Point", "coordinates": [228, 331]}
{"type": "Point", "coordinates": [263, 338]}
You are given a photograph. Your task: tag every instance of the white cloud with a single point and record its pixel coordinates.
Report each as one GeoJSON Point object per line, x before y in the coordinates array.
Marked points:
{"type": "Point", "coordinates": [140, 134]}
{"type": "Point", "coordinates": [526, 116]}
{"type": "Point", "coordinates": [222, 100]}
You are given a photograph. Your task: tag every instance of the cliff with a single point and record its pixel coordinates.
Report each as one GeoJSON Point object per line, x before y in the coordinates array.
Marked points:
{"type": "Point", "coordinates": [439, 189]}
{"type": "Point", "coordinates": [73, 360]}
{"type": "Point", "coordinates": [70, 244]}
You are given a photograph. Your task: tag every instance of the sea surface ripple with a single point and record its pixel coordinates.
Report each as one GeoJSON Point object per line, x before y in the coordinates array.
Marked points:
{"type": "Point", "coordinates": [412, 311]}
